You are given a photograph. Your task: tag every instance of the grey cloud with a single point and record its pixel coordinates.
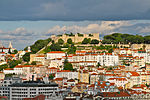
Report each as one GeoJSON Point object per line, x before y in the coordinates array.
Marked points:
{"type": "Point", "coordinates": [74, 10]}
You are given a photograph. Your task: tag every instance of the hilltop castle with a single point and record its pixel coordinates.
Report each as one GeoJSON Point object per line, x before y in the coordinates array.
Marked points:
{"type": "Point", "coordinates": [76, 38]}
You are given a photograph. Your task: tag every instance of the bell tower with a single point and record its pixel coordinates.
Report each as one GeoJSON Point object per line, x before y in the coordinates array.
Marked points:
{"type": "Point", "coordinates": [10, 45]}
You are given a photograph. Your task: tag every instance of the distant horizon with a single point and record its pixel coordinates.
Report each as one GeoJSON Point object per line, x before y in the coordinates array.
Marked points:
{"type": "Point", "coordinates": [6, 44]}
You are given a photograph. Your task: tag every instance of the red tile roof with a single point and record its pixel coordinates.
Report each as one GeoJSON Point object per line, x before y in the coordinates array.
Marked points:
{"type": "Point", "coordinates": [71, 80]}
{"type": "Point", "coordinates": [134, 73]}
{"type": "Point", "coordinates": [80, 51]}
{"type": "Point", "coordinates": [64, 71]}
{"type": "Point", "coordinates": [52, 68]}
{"type": "Point", "coordinates": [18, 66]}
{"type": "Point", "coordinates": [56, 52]}
{"type": "Point", "coordinates": [58, 79]}
{"type": "Point", "coordinates": [93, 74]}
{"type": "Point", "coordinates": [118, 79]}
{"type": "Point", "coordinates": [9, 69]}
{"type": "Point", "coordinates": [40, 56]}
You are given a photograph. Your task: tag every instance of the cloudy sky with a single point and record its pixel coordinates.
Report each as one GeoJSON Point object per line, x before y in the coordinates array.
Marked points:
{"type": "Point", "coordinates": [25, 21]}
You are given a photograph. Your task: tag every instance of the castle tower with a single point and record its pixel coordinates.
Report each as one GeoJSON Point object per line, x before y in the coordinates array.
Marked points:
{"type": "Point", "coordinates": [10, 45]}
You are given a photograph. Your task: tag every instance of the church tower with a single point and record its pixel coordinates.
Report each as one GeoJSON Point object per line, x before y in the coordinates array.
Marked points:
{"type": "Point", "coordinates": [10, 45]}
{"type": "Point", "coordinates": [1, 45]}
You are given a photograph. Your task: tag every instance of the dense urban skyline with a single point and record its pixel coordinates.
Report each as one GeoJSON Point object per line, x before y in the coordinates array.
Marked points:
{"type": "Point", "coordinates": [38, 20]}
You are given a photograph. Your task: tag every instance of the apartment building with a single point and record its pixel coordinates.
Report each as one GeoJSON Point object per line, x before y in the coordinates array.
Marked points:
{"type": "Point", "coordinates": [30, 89]}
{"type": "Point", "coordinates": [55, 54]}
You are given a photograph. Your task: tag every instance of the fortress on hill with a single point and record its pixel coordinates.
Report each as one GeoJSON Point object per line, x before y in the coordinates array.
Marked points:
{"type": "Point", "coordinates": [75, 37]}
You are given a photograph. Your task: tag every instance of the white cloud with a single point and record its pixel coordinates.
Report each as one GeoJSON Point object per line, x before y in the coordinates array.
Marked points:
{"type": "Point", "coordinates": [145, 30]}
{"type": "Point", "coordinates": [20, 30]}
{"type": "Point", "coordinates": [19, 36]}
{"type": "Point", "coordinates": [105, 26]}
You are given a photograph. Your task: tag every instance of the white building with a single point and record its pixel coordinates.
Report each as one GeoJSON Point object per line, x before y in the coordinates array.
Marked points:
{"type": "Point", "coordinates": [15, 89]}
{"type": "Point", "coordinates": [30, 89]}
{"type": "Point", "coordinates": [118, 81]}
{"type": "Point", "coordinates": [108, 59]}
{"type": "Point", "coordinates": [18, 69]}
{"type": "Point", "coordinates": [5, 85]}
{"type": "Point", "coordinates": [8, 71]}
{"type": "Point", "coordinates": [55, 63]}
{"type": "Point", "coordinates": [148, 58]}
{"type": "Point", "coordinates": [40, 58]}
{"type": "Point", "coordinates": [66, 73]}
{"type": "Point", "coordinates": [140, 53]}
{"type": "Point", "coordinates": [55, 54]}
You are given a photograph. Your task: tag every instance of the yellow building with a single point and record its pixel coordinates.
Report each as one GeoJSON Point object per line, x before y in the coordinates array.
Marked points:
{"type": "Point", "coordinates": [83, 76]}
{"type": "Point", "coordinates": [147, 67]}
{"type": "Point", "coordinates": [37, 58]}
{"type": "Point", "coordinates": [133, 79]}
{"type": "Point", "coordinates": [75, 89]}
{"type": "Point", "coordinates": [139, 46]}
{"type": "Point", "coordinates": [2, 75]}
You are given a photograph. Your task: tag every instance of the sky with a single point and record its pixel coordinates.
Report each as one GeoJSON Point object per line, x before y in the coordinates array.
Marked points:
{"type": "Point", "coordinates": [24, 21]}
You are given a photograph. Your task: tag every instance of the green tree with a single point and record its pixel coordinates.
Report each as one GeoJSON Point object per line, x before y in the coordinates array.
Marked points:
{"type": "Point", "coordinates": [60, 41]}
{"type": "Point", "coordinates": [69, 41]}
{"type": "Point", "coordinates": [15, 52]}
{"type": "Point", "coordinates": [4, 66]}
{"type": "Point", "coordinates": [98, 64]}
{"type": "Point", "coordinates": [71, 50]}
{"type": "Point", "coordinates": [147, 39]}
{"type": "Point", "coordinates": [91, 35]}
{"type": "Point", "coordinates": [9, 75]}
{"type": "Point", "coordinates": [110, 50]}
{"type": "Point", "coordinates": [68, 66]}
{"type": "Point", "coordinates": [110, 68]}
{"type": "Point", "coordinates": [86, 41]}
{"type": "Point", "coordinates": [65, 61]}
{"type": "Point", "coordinates": [66, 45]}
{"type": "Point", "coordinates": [125, 38]}
{"type": "Point", "coordinates": [79, 34]}
{"type": "Point", "coordinates": [55, 47]}
{"type": "Point", "coordinates": [33, 63]}
{"type": "Point", "coordinates": [51, 76]}
{"type": "Point", "coordinates": [144, 46]}
{"type": "Point", "coordinates": [71, 34]}
{"type": "Point", "coordinates": [26, 57]}
{"type": "Point", "coordinates": [94, 41]}
{"type": "Point", "coordinates": [9, 51]}
{"type": "Point", "coordinates": [47, 49]}
{"type": "Point", "coordinates": [13, 63]}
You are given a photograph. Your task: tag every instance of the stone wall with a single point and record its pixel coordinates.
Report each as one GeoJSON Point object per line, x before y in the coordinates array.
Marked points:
{"type": "Point", "coordinates": [76, 38]}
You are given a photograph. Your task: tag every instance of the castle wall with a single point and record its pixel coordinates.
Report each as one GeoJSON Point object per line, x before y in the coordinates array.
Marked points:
{"type": "Point", "coordinates": [75, 38]}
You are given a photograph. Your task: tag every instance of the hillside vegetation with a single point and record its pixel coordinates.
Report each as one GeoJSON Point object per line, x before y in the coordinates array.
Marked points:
{"type": "Point", "coordinates": [126, 38]}
{"type": "Point", "coordinates": [112, 38]}
{"type": "Point", "coordinates": [39, 44]}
